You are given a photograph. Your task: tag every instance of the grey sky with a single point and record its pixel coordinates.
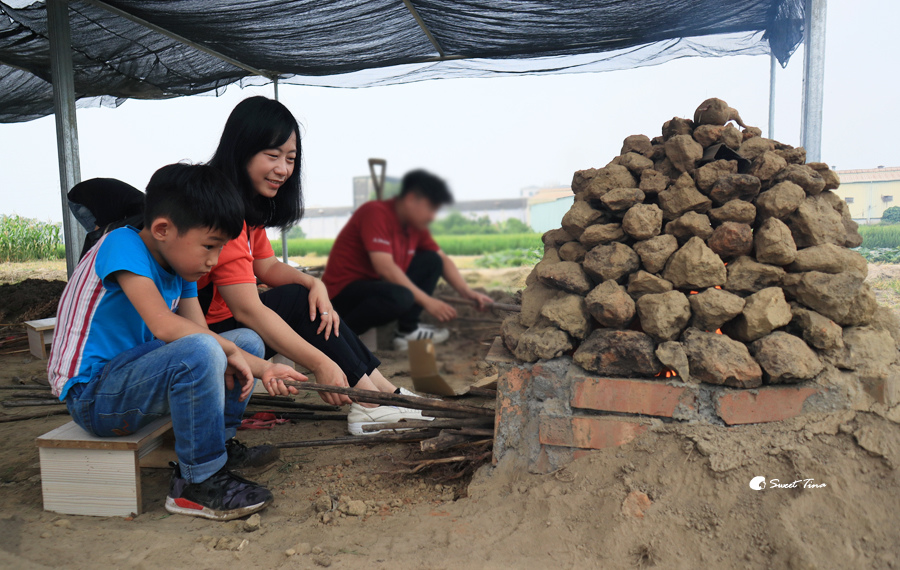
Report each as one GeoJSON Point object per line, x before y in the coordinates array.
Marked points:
{"type": "Point", "coordinates": [487, 137]}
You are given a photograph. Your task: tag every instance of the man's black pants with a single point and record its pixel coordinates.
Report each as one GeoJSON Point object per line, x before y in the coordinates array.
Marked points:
{"type": "Point", "coordinates": [363, 305]}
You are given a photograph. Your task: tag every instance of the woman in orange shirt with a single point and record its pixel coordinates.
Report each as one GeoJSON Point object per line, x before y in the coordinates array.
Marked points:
{"type": "Point", "coordinates": [260, 152]}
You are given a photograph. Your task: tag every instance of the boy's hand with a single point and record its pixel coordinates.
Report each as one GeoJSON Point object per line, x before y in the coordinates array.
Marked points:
{"type": "Point", "coordinates": [321, 304]}
{"type": "Point", "coordinates": [273, 376]}
{"type": "Point", "coordinates": [238, 368]}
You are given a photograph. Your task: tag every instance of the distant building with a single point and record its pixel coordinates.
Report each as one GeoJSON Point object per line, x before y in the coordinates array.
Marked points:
{"type": "Point", "coordinates": [869, 192]}
{"type": "Point", "coordinates": [547, 206]}
{"type": "Point", "coordinates": [364, 189]}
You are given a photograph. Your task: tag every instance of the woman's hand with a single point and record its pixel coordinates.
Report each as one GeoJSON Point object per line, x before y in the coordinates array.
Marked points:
{"type": "Point", "coordinates": [330, 374]}
{"type": "Point", "coordinates": [319, 302]}
{"type": "Point", "coordinates": [273, 380]}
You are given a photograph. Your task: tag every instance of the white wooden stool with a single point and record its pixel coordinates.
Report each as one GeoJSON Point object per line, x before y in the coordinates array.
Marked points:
{"type": "Point", "coordinates": [82, 474]}
{"type": "Point", "coordinates": [40, 334]}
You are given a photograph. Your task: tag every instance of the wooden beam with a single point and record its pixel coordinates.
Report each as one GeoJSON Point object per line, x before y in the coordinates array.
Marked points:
{"type": "Point", "coordinates": [421, 22]}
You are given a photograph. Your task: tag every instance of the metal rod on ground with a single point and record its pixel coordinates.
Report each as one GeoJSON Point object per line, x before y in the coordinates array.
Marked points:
{"type": "Point", "coordinates": [413, 402]}
{"type": "Point", "coordinates": [448, 415]}
{"type": "Point", "coordinates": [359, 440]}
{"type": "Point", "coordinates": [436, 424]}
{"type": "Point", "coordinates": [25, 387]}
{"type": "Point", "coordinates": [498, 306]}
{"type": "Point", "coordinates": [29, 403]}
{"type": "Point", "coordinates": [5, 419]}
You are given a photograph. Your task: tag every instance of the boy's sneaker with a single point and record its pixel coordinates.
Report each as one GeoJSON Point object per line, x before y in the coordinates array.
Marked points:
{"type": "Point", "coordinates": [422, 332]}
{"type": "Point", "coordinates": [360, 416]}
{"type": "Point", "coordinates": [242, 457]}
{"type": "Point", "coordinates": [222, 497]}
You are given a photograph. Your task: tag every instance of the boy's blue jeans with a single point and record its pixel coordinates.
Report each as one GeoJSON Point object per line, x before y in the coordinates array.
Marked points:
{"type": "Point", "coordinates": [184, 378]}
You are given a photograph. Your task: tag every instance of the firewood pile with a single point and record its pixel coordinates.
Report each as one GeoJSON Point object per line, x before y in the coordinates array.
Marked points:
{"type": "Point", "coordinates": [708, 252]}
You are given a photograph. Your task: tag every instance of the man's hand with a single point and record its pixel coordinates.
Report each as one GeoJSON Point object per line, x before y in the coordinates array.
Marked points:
{"type": "Point", "coordinates": [330, 374]}
{"type": "Point", "coordinates": [272, 380]}
{"type": "Point", "coordinates": [238, 368]}
{"type": "Point", "coordinates": [440, 310]}
{"type": "Point", "coordinates": [319, 303]}
{"type": "Point", "coordinates": [484, 302]}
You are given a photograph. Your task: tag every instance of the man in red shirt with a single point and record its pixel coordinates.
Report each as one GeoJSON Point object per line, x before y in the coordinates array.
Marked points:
{"type": "Point", "coordinates": [384, 264]}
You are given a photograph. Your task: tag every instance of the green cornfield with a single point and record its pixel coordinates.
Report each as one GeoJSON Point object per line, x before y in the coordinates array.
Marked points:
{"type": "Point", "coordinates": [880, 236]}
{"type": "Point", "coordinates": [26, 239]}
{"type": "Point", "coordinates": [452, 245]}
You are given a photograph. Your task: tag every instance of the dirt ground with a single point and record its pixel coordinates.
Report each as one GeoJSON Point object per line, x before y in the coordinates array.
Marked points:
{"type": "Point", "coordinates": [676, 497]}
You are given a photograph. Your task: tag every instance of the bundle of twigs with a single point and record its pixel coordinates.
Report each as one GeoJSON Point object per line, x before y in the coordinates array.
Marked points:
{"type": "Point", "coordinates": [455, 426]}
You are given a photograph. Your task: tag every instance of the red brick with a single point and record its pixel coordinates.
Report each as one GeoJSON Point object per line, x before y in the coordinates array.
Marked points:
{"type": "Point", "coordinates": [589, 432]}
{"type": "Point", "coordinates": [647, 397]}
{"type": "Point", "coordinates": [766, 404]}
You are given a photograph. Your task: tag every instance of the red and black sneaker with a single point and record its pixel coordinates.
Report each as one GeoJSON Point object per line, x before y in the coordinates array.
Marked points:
{"type": "Point", "coordinates": [222, 497]}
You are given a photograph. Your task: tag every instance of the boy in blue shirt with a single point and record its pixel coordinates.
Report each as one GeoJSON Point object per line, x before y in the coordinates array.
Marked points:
{"type": "Point", "coordinates": [132, 343]}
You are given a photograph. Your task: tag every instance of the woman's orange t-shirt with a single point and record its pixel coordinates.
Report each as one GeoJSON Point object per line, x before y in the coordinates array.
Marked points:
{"type": "Point", "coordinates": [235, 266]}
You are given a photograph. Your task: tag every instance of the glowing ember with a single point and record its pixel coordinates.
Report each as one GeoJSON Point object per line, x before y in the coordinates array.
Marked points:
{"type": "Point", "coordinates": [667, 374]}
{"type": "Point", "coordinates": [718, 331]}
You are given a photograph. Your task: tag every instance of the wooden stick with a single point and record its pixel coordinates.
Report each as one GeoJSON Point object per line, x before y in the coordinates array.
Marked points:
{"type": "Point", "coordinates": [493, 322]}
{"type": "Point", "coordinates": [383, 398]}
{"type": "Point", "coordinates": [299, 415]}
{"type": "Point", "coordinates": [476, 432]}
{"type": "Point", "coordinates": [28, 395]}
{"type": "Point", "coordinates": [435, 424]}
{"type": "Point", "coordinates": [487, 393]}
{"type": "Point", "coordinates": [273, 403]}
{"type": "Point", "coordinates": [445, 440]}
{"type": "Point", "coordinates": [359, 440]}
{"type": "Point", "coordinates": [26, 387]}
{"type": "Point", "coordinates": [7, 418]}
{"type": "Point", "coordinates": [498, 306]}
{"type": "Point", "coordinates": [28, 403]}
{"type": "Point", "coordinates": [448, 415]}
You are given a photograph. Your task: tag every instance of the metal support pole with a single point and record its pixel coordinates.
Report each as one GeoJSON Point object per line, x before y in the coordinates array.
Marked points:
{"type": "Point", "coordinates": [813, 79]}
{"type": "Point", "coordinates": [63, 79]}
{"type": "Point", "coordinates": [773, 65]}
{"type": "Point", "coordinates": [284, 247]}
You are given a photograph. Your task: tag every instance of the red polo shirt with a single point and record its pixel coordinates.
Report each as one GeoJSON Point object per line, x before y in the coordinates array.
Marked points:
{"type": "Point", "coordinates": [372, 227]}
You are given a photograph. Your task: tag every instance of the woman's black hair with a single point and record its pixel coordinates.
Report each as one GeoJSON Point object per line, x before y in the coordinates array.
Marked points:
{"type": "Point", "coordinates": [255, 125]}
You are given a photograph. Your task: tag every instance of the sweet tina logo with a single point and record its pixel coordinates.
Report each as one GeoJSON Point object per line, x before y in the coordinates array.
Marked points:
{"type": "Point", "coordinates": [759, 483]}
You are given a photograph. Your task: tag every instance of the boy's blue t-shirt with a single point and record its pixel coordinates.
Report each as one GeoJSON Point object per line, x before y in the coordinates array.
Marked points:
{"type": "Point", "coordinates": [95, 321]}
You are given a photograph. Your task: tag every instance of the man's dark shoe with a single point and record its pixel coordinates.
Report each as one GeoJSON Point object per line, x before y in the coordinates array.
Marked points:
{"type": "Point", "coordinates": [222, 497]}
{"type": "Point", "coordinates": [242, 457]}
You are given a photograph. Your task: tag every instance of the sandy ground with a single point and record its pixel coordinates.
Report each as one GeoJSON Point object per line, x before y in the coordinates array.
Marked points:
{"type": "Point", "coordinates": [699, 509]}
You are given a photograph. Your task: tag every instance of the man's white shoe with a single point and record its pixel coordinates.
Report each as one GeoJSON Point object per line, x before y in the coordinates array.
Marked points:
{"type": "Point", "coordinates": [437, 336]}
{"type": "Point", "coordinates": [360, 416]}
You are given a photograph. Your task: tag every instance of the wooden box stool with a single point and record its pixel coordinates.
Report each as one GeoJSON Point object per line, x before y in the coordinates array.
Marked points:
{"type": "Point", "coordinates": [82, 474]}
{"type": "Point", "coordinates": [40, 334]}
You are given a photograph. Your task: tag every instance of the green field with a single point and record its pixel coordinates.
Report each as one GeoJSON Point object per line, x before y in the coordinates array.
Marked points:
{"type": "Point", "coordinates": [452, 245]}
{"type": "Point", "coordinates": [880, 236]}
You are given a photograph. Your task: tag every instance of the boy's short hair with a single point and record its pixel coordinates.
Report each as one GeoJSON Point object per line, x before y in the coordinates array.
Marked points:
{"type": "Point", "coordinates": [194, 196]}
{"type": "Point", "coordinates": [428, 186]}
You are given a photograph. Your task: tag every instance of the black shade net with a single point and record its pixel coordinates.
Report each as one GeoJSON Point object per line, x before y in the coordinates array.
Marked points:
{"type": "Point", "coordinates": [353, 43]}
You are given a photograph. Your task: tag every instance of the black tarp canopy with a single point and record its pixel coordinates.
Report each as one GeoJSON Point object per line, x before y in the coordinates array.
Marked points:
{"type": "Point", "coordinates": [151, 49]}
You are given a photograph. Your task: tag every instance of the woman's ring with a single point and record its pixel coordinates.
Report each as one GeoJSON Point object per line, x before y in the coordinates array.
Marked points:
{"type": "Point", "coordinates": [324, 313]}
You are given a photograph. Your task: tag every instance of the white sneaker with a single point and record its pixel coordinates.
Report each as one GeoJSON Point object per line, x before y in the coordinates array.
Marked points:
{"type": "Point", "coordinates": [437, 336]}
{"type": "Point", "coordinates": [360, 416]}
